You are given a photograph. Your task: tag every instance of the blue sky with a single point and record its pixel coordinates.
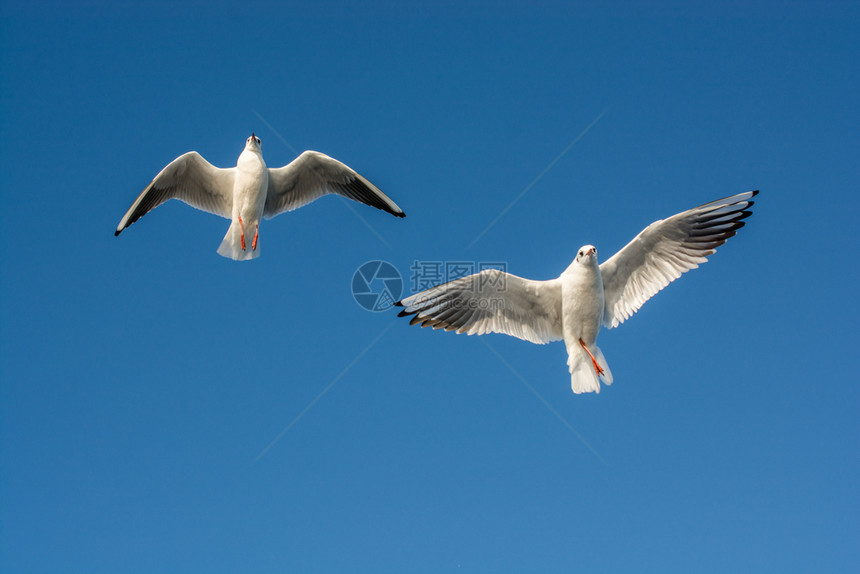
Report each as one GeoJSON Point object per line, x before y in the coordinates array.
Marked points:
{"type": "Point", "coordinates": [145, 378]}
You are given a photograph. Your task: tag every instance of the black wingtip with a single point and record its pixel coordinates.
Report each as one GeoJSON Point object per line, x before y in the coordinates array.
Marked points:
{"type": "Point", "coordinates": [399, 303]}
{"type": "Point", "coordinates": [117, 232]}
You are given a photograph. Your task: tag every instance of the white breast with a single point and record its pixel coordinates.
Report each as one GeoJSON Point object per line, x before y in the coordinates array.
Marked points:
{"type": "Point", "coordinates": [250, 186]}
{"type": "Point", "coordinates": [582, 302]}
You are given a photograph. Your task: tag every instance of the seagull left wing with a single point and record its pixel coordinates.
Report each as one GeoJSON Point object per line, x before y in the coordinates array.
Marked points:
{"type": "Point", "coordinates": [491, 301]}
{"type": "Point", "coordinates": [666, 249]}
{"type": "Point", "coordinates": [188, 178]}
{"type": "Point", "coordinates": [313, 175]}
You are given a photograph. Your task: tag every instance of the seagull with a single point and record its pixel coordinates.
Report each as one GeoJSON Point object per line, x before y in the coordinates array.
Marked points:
{"type": "Point", "coordinates": [250, 191]}
{"type": "Point", "coordinates": [573, 306]}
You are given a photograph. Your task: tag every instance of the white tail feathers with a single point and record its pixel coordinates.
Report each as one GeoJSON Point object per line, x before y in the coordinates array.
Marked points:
{"type": "Point", "coordinates": [583, 376]}
{"type": "Point", "coordinates": [231, 246]}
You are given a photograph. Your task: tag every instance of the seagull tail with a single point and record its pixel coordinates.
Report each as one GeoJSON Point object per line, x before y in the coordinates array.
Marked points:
{"type": "Point", "coordinates": [231, 246]}
{"type": "Point", "coordinates": [583, 376]}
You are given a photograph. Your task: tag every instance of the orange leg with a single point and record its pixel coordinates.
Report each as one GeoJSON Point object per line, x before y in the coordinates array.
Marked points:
{"type": "Point", "coordinates": [242, 228]}
{"type": "Point", "coordinates": [256, 235]}
{"type": "Point", "coordinates": [597, 367]}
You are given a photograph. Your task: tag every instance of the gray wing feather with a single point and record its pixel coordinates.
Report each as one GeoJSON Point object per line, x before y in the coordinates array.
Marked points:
{"type": "Point", "coordinates": [665, 250]}
{"type": "Point", "coordinates": [188, 178]}
{"type": "Point", "coordinates": [491, 301]}
{"type": "Point", "coordinates": [313, 175]}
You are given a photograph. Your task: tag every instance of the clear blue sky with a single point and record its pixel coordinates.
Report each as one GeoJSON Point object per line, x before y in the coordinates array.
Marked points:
{"type": "Point", "coordinates": [143, 376]}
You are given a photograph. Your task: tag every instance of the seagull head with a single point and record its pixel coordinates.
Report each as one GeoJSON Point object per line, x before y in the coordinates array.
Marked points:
{"type": "Point", "coordinates": [586, 254]}
{"type": "Point", "coordinates": [253, 143]}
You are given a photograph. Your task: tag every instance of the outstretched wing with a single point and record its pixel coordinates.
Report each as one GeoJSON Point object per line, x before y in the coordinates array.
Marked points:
{"type": "Point", "coordinates": [313, 175]}
{"type": "Point", "coordinates": [665, 250]}
{"type": "Point", "coordinates": [491, 301]}
{"type": "Point", "coordinates": [188, 178]}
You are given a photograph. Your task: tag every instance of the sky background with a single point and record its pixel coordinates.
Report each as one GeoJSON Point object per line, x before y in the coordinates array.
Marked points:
{"type": "Point", "coordinates": [145, 378]}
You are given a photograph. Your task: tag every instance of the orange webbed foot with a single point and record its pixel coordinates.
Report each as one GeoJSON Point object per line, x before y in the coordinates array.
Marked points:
{"type": "Point", "coordinates": [242, 229]}
{"type": "Point", "coordinates": [597, 367]}
{"type": "Point", "coordinates": [256, 236]}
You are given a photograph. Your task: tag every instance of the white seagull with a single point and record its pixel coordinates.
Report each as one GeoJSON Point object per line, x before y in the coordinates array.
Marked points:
{"type": "Point", "coordinates": [250, 191]}
{"type": "Point", "coordinates": [573, 306]}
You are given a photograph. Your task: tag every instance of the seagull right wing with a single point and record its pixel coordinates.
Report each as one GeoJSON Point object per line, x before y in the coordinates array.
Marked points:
{"type": "Point", "coordinates": [188, 178]}
{"type": "Point", "coordinates": [313, 175]}
{"type": "Point", "coordinates": [666, 249]}
{"type": "Point", "coordinates": [491, 301]}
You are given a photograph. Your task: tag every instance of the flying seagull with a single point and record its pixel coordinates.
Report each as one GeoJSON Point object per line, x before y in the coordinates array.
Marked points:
{"type": "Point", "coordinates": [587, 294]}
{"type": "Point", "coordinates": [250, 191]}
